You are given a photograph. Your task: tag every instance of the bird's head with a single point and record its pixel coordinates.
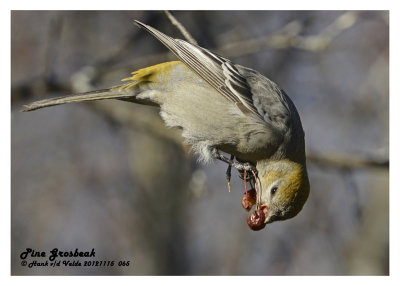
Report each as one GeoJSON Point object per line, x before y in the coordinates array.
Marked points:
{"type": "Point", "coordinates": [284, 188]}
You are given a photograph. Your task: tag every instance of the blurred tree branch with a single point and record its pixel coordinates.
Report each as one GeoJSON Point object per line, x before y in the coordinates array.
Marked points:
{"type": "Point", "coordinates": [137, 118]}
{"type": "Point", "coordinates": [289, 37]}
{"type": "Point", "coordinates": [346, 161]}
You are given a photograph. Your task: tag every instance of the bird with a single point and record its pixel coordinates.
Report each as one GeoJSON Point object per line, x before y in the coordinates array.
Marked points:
{"type": "Point", "coordinates": [225, 107]}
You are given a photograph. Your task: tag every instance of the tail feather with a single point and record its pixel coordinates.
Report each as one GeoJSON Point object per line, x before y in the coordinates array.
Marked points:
{"type": "Point", "coordinates": [111, 93]}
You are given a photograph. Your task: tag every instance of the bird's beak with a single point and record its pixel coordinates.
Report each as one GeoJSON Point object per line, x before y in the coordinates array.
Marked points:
{"type": "Point", "coordinates": [269, 215]}
{"type": "Point", "coordinates": [269, 219]}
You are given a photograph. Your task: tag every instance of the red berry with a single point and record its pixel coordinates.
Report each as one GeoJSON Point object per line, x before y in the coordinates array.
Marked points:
{"type": "Point", "coordinates": [256, 219]}
{"type": "Point", "coordinates": [249, 199]}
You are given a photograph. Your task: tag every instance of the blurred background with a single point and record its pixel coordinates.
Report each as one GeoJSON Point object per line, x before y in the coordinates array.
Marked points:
{"type": "Point", "coordinates": [108, 175]}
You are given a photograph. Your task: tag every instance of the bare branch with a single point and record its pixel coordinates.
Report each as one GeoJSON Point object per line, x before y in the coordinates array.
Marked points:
{"type": "Point", "coordinates": [181, 28]}
{"type": "Point", "coordinates": [346, 161]}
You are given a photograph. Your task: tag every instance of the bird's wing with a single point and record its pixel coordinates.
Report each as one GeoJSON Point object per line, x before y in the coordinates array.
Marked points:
{"type": "Point", "coordinates": [217, 71]}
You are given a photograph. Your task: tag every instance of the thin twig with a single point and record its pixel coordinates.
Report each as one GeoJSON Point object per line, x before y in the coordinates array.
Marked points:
{"type": "Point", "coordinates": [180, 27]}
{"type": "Point", "coordinates": [346, 161]}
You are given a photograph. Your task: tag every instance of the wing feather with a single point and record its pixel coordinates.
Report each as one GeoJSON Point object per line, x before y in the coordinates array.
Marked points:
{"type": "Point", "coordinates": [217, 71]}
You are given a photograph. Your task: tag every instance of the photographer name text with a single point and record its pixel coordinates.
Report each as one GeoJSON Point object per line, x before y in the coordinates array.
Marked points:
{"type": "Point", "coordinates": [56, 257]}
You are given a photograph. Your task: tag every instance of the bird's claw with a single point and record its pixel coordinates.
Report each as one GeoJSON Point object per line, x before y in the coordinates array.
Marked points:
{"type": "Point", "coordinates": [228, 174]}
{"type": "Point", "coordinates": [245, 166]}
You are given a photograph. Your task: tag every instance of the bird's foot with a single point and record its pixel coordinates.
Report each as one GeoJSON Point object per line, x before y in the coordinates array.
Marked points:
{"type": "Point", "coordinates": [240, 166]}
{"type": "Point", "coordinates": [247, 171]}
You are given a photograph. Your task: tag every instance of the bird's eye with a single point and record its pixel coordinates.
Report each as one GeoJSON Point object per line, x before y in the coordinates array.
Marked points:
{"type": "Point", "coordinates": [273, 190]}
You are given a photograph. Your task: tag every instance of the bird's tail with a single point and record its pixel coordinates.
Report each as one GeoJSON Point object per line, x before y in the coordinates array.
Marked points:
{"type": "Point", "coordinates": [138, 88]}
{"type": "Point", "coordinates": [110, 93]}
